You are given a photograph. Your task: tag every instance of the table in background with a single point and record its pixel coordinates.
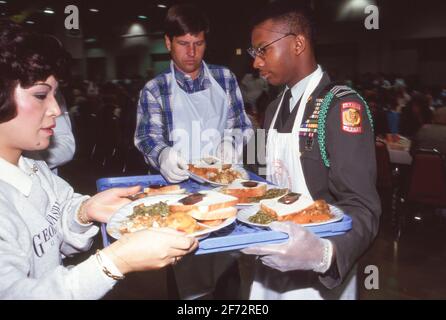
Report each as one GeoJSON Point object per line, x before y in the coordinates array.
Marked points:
{"type": "Point", "coordinates": [399, 148]}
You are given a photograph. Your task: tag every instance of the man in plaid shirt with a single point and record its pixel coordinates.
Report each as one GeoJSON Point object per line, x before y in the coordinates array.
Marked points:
{"type": "Point", "coordinates": [190, 95]}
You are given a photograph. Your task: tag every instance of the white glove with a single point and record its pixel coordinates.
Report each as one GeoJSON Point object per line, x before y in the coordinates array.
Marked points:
{"type": "Point", "coordinates": [303, 250]}
{"type": "Point", "coordinates": [172, 166]}
{"type": "Point", "coordinates": [226, 152]}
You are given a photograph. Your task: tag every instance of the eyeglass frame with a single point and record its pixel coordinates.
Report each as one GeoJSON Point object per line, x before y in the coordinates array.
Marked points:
{"type": "Point", "coordinates": [260, 52]}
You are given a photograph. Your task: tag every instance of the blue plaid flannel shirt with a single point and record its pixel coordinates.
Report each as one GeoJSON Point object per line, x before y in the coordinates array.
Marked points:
{"type": "Point", "coordinates": [154, 114]}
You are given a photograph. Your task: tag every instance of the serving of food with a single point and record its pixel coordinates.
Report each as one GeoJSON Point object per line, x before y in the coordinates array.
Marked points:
{"type": "Point", "coordinates": [249, 192]}
{"type": "Point", "coordinates": [290, 207]}
{"type": "Point", "coordinates": [158, 215]}
{"type": "Point", "coordinates": [213, 171]}
{"type": "Point", "coordinates": [195, 214]}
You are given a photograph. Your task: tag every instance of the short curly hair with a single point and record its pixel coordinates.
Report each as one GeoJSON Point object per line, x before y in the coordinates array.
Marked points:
{"type": "Point", "coordinates": [297, 15]}
{"type": "Point", "coordinates": [25, 58]}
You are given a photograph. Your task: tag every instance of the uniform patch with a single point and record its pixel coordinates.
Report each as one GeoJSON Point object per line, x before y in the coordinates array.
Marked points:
{"type": "Point", "coordinates": [351, 117]}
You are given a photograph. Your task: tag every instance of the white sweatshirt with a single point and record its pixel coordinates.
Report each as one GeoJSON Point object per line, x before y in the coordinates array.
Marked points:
{"type": "Point", "coordinates": [38, 227]}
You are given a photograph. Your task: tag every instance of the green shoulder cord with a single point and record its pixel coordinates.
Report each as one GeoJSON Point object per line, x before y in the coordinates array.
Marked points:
{"type": "Point", "coordinates": [325, 106]}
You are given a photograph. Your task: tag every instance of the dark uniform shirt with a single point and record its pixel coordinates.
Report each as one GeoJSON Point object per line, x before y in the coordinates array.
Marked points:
{"type": "Point", "coordinates": [349, 182]}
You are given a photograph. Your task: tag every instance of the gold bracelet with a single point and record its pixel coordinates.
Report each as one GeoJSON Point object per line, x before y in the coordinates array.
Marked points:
{"type": "Point", "coordinates": [105, 270]}
{"type": "Point", "coordinates": [80, 216]}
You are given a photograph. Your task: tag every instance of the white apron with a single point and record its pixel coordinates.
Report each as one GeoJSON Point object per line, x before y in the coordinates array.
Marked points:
{"type": "Point", "coordinates": [284, 168]}
{"type": "Point", "coordinates": [199, 118]}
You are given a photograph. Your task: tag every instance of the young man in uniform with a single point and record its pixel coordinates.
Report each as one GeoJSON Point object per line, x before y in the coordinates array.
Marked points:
{"type": "Point", "coordinates": [321, 144]}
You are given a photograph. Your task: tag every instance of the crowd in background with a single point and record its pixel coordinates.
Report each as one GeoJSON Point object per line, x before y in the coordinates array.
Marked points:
{"type": "Point", "coordinates": [103, 115]}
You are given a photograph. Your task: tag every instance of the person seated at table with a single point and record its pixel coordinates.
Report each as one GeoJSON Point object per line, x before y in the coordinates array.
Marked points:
{"type": "Point", "coordinates": [393, 115]}
{"type": "Point", "coordinates": [415, 115]}
{"type": "Point", "coordinates": [42, 220]}
{"type": "Point", "coordinates": [378, 114]}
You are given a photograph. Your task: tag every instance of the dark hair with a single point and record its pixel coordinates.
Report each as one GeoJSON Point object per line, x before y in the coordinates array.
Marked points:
{"type": "Point", "coordinates": [185, 18]}
{"type": "Point", "coordinates": [296, 14]}
{"type": "Point", "coordinates": [25, 58]}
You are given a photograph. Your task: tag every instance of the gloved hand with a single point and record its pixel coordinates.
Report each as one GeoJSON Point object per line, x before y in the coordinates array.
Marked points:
{"type": "Point", "coordinates": [303, 250]}
{"type": "Point", "coordinates": [172, 166]}
{"type": "Point", "coordinates": [226, 152]}
{"type": "Point", "coordinates": [149, 249]}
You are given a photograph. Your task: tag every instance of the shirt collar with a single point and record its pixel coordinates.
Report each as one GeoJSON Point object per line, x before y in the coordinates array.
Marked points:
{"type": "Point", "coordinates": [186, 82]}
{"type": "Point", "coordinates": [299, 88]}
{"type": "Point", "coordinates": [17, 176]}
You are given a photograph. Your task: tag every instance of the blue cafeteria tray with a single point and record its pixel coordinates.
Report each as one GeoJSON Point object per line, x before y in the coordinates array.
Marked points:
{"type": "Point", "coordinates": [234, 237]}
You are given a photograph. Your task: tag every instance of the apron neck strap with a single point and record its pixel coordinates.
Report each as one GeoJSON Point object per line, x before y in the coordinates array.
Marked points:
{"type": "Point", "coordinates": [311, 86]}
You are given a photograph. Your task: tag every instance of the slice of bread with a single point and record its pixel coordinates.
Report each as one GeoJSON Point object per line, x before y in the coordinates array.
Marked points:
{"type": "Point", "coordinates": [212, 201]}
{"type": "Point", "coordinates": [278, 209]}
{"type": "Point", "coordinates": [168, 189]}
{"type": "Point", "coordinates": [242, 189]}
{"type": "Point", "coordinates": [217, 214]}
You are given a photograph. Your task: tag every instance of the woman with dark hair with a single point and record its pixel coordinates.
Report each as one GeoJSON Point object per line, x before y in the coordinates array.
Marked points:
{"type": "Point", "coordinates": [42, 220]}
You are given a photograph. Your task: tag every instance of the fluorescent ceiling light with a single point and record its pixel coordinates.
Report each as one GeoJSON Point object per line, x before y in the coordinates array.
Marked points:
{"type": "Point", "coordinates": [162, 6]}
{"type": "Point", "coordinates": [142, 17]}
{"type": "Point", "coordinates": [29, 22]}
{"type": "Point", "coordinates": [353, 9]}
{"type": "Point", "coordinates": [359, 4]}
{"type": "Point", "coordinates": [135, 30]}
{"type": "Point", "coordinates": [94, 10]}
{"type": "Point", "coordinates": [48, 11]}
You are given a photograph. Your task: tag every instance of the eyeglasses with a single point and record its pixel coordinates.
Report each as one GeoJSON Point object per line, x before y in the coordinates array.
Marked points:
{"type": "Point", "coordinates": [260, 52]}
